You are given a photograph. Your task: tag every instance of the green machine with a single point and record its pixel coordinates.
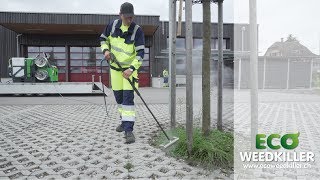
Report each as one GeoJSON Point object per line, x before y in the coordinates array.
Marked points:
{"type": "Point", "coordinates": [32, 70]}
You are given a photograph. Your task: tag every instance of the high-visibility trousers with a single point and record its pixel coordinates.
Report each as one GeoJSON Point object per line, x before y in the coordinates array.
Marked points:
{"type": "Point", "coordinates": [124, 95]}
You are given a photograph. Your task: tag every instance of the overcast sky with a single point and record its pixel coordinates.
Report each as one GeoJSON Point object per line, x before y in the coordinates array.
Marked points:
{"type": "Point", "coordinates": [276, 18]}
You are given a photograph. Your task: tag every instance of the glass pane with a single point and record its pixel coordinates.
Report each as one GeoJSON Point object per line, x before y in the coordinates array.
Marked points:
{"type": "Point", "coordinates": [33, 49]}
{"type": "Point", "coordinates": [76, 63]}
{"type": "Point", "coordinates": [89, 55]}
{"type": "Point", "coordinates": [46, 49]}
{"type": "Point", "coordinates": [33, 55]}
{"type": "Point", "coordinates": [61, 62]}
{"type": "Point", "coordinates": [146, 57]}
{"type": "Point", "coordinates": [75, 49]}
{"type": "Point", "coordinates": [145, 63]}
{"type": "Point", "coordinates": [181, 68]}
{"type": "Point", "coordinates": [89, 62]}
{"type": "Point", "coordinates": [105, 71]}
{"type": "Point", "coordinates": [181, 61]}
{"type": "Point", "coordinates": [59, 49]}
{"type": "Point", "coordinates": [224, 44]}
{"type": "Point", "coordinates": [75, 69]}
{"type": "Point", "coordinates": [59, 55]}
{"type": "Point", "coordinates": [104, 63]}
{"type": "Point", "coordinates": [85, 56]}
{"type": "Point", "coordinates": [52, 62]}
{"type": "Point", "coordinates": [100, 56]}
{"type": "Point", "coordinates": [92, 53]}
{"type": "Point", "coordinates": [146, 50]}
{"type": "Point", "coordinates": [144, 69]}
{"type": "Point", "coordinates": [214, 44]}
{"type": "Point", "coordinates": [181, 43]}
{"type": "Point", "coordinates": [85, 49]}
{"type": "Point", "coordinates": [93, 49]}
{"type": "Point", "coordinates": [75, 56]}
{"type": "Point", "coordinates": [50, 55]}
{"type": "Point", "coordinates": [61, 70]}
{"type": "Point", "coordinates": [89, 69]}
{"type": "Point", "coordinates": [98, 50]}
{"type": "Point", "coordinates": [197, 43]}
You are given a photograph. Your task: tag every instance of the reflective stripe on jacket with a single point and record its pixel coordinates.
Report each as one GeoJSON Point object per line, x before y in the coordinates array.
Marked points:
{"type": "Point", "coordinates": [128, 47]}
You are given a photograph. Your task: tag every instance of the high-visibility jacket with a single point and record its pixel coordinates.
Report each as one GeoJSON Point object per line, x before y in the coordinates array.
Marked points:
{"type": "Point", "coordinates": [165, 73]}
{"type": "Point", "coordinates": [128, 47]}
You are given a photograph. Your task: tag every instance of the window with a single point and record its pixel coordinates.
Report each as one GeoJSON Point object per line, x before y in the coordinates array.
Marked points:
{"type": "Point", "coordinates": [61, 62]}
{"type": "Point", "coordinates": [75, 56]}
{"type": "Point", "coordinates": [76, 49]}
{"type": "Point", "coordinates": [75, 63]}
{"type": "Point", "coordinates": [33, 49]}
{"type": "Point", "coordinates": [57, 55]}
{"type": "Point", "coordinates": [146, 61]}
{"type": "Point", "coordinates": [33, 54]}
{"type": "Point", "coordinates": [180, 43]}
{"type": "Point", "coordinates": [59, 49]}
{"type": "Point", "coordinates": [197, 44]}
{"type": "Point", "coordinates": [100, 56]}
{"type": "Point", "coordinates": [86, 60]}
{"type": "Point", "coordinates": [181, 66]}
{"type": "Point", "coordinates": [226, 44]}
{"type": "Point", "coordinates": [181, 61]}
{"type": "Point", "coordinates": [46, 49]}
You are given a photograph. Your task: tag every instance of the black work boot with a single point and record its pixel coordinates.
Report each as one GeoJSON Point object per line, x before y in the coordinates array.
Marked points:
{"type": "Point", "coordinates": [130, 137]}
{"type": "Point", "coordinates": [119, 128]}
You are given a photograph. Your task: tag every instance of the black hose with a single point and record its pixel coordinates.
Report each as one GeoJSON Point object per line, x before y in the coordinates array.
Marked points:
{"type": "Point", "coordinates": [104, 94]}
{"type": "Point", "coordinates": [138, 93]}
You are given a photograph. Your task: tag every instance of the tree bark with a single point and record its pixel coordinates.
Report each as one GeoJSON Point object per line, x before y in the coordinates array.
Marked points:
{"type": "Point", "coordinates": [206, 53]}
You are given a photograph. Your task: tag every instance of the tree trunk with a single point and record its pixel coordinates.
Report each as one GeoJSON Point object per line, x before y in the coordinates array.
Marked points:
{"type": "Point", "coordinates": [206, 67]}
{"type": "Point", "coordinates": [189, 79]}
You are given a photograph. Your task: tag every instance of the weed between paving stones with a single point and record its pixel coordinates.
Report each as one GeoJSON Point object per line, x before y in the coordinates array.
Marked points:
{"type": "Point", "coordinates": [213, 152]}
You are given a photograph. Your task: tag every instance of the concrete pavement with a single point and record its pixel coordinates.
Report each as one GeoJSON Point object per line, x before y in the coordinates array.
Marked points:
{"type": "Point", "coordinates": [72, 137]}
{"type": "Point", "coordinates": [55, 138]}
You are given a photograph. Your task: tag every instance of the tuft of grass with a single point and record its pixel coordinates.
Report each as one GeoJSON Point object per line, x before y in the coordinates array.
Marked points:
{"type": "Point", "coordinates": [160, 139]}
{"type": "Point", "coordinates": [216, 150]}
{"type": "Point", "coordinates": [128, 166]}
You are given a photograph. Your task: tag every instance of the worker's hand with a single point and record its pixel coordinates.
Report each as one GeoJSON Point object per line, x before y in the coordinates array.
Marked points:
{"type": "Point", "coordinates": [107, 55]}
{"type": "Point", "coordinates": [127, 73]}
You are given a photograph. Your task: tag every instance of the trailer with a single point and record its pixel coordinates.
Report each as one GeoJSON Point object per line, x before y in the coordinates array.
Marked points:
{"type": "Point", "coordinates": [37, 76]}
{"type": "Point", "coordinates": [56, 88]}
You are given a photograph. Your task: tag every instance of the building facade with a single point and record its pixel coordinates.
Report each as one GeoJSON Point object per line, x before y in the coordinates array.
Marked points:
{"type": "Point", "coordinates": [72, 41]}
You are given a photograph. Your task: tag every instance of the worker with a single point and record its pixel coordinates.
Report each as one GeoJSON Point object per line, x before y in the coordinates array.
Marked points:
{"type": "Point", "coordinates": [165, 74]}
{"type": "Point", "coordinates": [125, 40]}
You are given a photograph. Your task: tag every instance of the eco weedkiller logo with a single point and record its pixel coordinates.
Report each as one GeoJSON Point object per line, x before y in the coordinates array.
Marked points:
{"type": "Point", "coordinates": [277, 148]}
{"type": "Point", "coordinates": [261, 140]}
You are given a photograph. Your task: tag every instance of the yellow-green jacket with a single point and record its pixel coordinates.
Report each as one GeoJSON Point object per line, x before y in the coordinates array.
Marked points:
{"type": "Point", "coordinates": [128, 47]}
{"type": "Point", "coordinates": [165, 73]}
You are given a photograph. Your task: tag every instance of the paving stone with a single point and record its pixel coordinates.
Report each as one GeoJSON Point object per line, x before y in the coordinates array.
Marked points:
{"type": "Point", "coordinates": [79, 141]}
{"type": "Point", "coordinates": [141, 173]}
{"type": "Point", "coordinates": [4, 178]}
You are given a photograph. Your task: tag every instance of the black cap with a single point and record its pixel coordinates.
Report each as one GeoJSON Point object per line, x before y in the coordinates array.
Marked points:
{"type": "Point", "coordinates": [126, 9]}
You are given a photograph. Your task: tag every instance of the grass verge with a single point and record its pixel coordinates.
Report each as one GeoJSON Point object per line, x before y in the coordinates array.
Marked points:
{"type": "Point", "coordinates": [216, 150]}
